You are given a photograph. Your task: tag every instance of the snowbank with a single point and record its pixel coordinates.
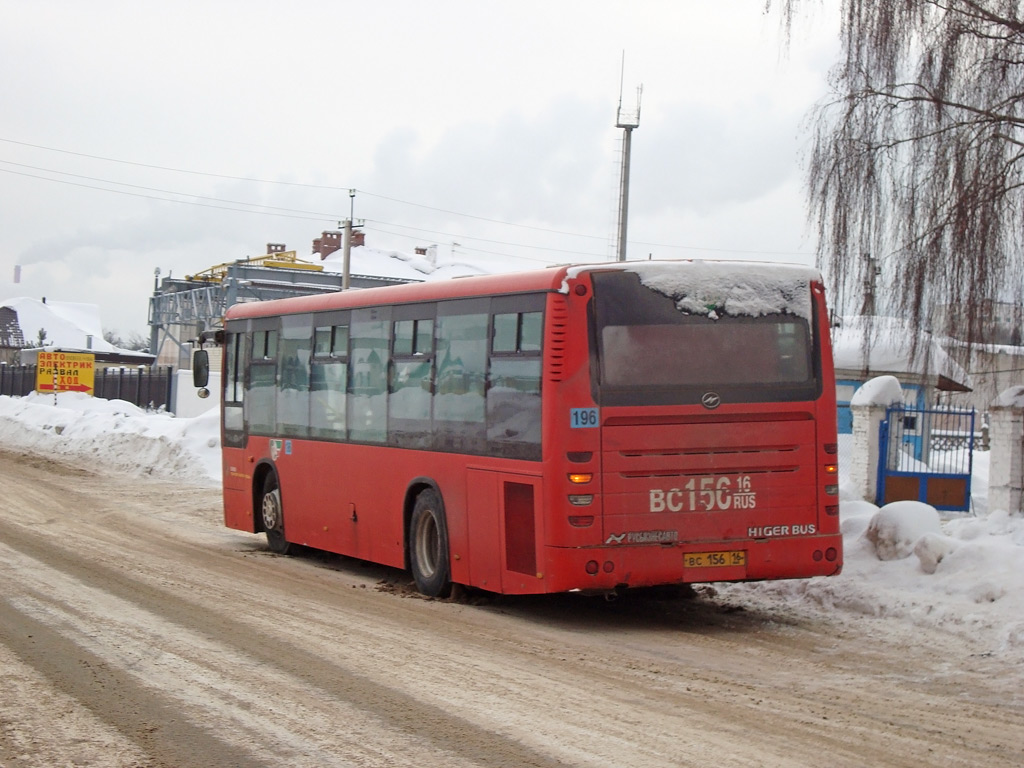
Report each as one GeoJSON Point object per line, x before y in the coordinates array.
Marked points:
{"type": "Point", "coordinates": [114, 434]}
{"type": "Point", "coordinates": [964, 575]}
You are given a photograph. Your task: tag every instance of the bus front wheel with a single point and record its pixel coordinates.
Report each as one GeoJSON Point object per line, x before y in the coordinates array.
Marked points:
{"type": "Point", "coordinates": [272, 515]}
{"type": "Point", "coordinates": [428, 545]}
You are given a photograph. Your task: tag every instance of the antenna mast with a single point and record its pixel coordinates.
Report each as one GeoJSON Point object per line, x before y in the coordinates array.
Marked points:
{"type": "Point", "coordinates": [627, 121]}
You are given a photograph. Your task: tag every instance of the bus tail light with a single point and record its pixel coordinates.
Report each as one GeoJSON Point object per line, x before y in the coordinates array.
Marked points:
{"type": "Point", "coordinates": [831, 469]}
{"type": "Point", "coordinates": [581, 521]}
{"type": "Point", "coordinates": [581, 499]}
{"type": "Point", "coordinates": [831, 554]}
{"type": "Point", "coordinates": [832, 510]}
{"type": "Point", "coordinates": [832, 448]}
{"type": "Point", "coordinates": [592, 567]}
{"type": "Point", "coordinates": [580, 478]}
{"type": "Point", "coordinates": [832, 490]}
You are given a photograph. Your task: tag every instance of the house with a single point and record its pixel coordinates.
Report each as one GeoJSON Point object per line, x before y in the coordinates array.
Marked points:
{"type": "Point", "coordinates": [12, 340]}
{"type": "Point", "coordinates": [864, 347]}
{"type": "Point", "coordinates": [28, 326]}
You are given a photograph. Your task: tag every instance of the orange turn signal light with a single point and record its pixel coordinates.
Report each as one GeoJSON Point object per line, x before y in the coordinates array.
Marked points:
{"type": "Point", "coordinates": [579, 478]}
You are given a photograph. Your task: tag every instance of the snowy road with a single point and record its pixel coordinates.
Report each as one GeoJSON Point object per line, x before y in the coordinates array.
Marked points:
{"type": "Point", "coordinates": [136, 631]}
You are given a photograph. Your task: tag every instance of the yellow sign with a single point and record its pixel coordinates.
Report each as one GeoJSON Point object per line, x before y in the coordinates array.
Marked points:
{"type": "Point", "coordinates": [65, 372]}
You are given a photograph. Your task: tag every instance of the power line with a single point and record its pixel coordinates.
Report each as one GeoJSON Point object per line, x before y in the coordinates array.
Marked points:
{"type": "Point", "coordinates": [171, 169]}
{"type": "Point", "coordinates": [314, 215]}
{"type": "Point", "coordinates": [155, 189]}
{"type": "Point", "coordinates": [161, 199]}
{"type": "Point", "coordinates": [291, 184]}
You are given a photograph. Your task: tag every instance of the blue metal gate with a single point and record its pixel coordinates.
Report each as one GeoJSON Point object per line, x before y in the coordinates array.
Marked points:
{"type": "Point", "coordinates": [926, 454]}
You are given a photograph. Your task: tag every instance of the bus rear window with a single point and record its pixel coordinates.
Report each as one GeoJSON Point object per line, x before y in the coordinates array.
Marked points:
{"type": "Point", "coordinates": [649, 352]}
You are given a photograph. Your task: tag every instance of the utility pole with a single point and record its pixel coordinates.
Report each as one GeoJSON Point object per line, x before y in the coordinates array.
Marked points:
{"type": "Point", "coordinates": [346, 252]}
{"type": "Point", "coordinates": [871, 271]}
{"type": "Point", "coordinates": [627, 121]}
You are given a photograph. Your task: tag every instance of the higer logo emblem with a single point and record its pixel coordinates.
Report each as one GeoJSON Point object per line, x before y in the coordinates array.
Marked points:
{"type": "Point", "coordinates": [710, 400]}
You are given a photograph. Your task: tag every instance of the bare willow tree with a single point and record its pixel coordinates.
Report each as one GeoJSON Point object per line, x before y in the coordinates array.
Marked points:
{"type": "Point", "coordinates": [917, 157]}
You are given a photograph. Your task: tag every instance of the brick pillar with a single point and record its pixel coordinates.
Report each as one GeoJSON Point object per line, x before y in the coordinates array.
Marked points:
{"type": "Point", "coordinates": [1006, 440]}
{"type": "Point", "coordinates": [868, 405]}
{"type": "Point", "coordinates": [867, 421]}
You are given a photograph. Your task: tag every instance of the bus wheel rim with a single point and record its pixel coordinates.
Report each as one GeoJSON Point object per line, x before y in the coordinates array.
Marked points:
{"type": "Point", "coordinates": [426, 544]}
{"type": "Point", "coordinates": [271, 510]}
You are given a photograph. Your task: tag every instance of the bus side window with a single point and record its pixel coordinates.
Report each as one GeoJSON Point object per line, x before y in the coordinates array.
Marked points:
{"type": "Point", "coordinates": [234, 393]}
{"type": "Point", "coordinates": [368, 398]}
{"type": "Point", "coordinates": [294, 354]}
{"type": "Point", "coordinates": [411, 387]}
{"type": "Point", "coordinates": [260, 408]}
{"type": "Point", "coordinates": [329, 383]}
{"type": "Point", "coordinates": [513, 386]}
{"type": "Point", "coordinates": [459, 405]}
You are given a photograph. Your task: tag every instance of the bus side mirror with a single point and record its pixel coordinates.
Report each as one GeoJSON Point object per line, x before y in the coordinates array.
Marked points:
{"type": "Point", "coordinates": [200, 368]}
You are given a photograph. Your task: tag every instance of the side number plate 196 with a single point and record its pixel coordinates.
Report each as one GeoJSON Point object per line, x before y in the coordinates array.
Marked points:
{"type": "Point", "coordinates": [715, 559]}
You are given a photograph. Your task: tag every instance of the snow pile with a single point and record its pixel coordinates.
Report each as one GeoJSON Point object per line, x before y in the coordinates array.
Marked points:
{"type": "Point", "coordinates": [739, 288]}
{"type": "Point", "coordinates": [895, 529]}
{"type": "Point", "coordinates": [114, 434]}
{"type": "Point", "coordinates": [964, 576]}
{"type": "Point", "coordinates": [879, 391]}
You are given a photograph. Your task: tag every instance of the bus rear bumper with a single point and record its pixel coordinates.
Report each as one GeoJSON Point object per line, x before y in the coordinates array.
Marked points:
{"type": "Point", "coordinates": [616, 567]}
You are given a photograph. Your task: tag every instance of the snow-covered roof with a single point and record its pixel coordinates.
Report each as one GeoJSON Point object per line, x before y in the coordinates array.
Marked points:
{"type": "Point", "coordinates": [889, 348]}
{"type": "Point", "coordinates": [375, 262]}
{"type": "Point", "coordinates": [68, 325]}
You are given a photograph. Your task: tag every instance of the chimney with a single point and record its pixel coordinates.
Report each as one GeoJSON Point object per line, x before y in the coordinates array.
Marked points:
{"type": "Point", "coordinates": [358, 238]}
{"type": "Point", "coordinates": [421, 250]}
{"type": "Point", "coordinates": [275, 248]}
{"type": "Point", "coordinates": [327, 243]}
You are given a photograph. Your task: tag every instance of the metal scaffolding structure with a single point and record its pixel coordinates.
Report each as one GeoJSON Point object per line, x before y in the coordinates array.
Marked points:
{"type": "Point", "coordinates": [181, 309]}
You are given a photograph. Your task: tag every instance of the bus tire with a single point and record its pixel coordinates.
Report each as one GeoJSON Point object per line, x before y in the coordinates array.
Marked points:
{"type": "Point", "coordinates": [428, 545]}
{"type": "Point", "coordinates": [272, 515]}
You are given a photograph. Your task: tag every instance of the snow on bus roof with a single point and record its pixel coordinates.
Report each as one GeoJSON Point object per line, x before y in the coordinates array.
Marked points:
{"type": "Point", "coordinates": [750, 288]}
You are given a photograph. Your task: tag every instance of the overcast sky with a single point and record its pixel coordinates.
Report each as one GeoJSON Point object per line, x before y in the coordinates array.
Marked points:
{"type": "Point", "coordinates": [138, 135]}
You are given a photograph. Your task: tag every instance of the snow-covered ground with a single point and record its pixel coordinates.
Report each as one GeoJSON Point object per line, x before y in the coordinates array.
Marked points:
{"type": "Point", "coordinates": [961, 574]}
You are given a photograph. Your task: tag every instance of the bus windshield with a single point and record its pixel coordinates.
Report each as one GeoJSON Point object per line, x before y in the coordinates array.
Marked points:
{"type": "Point", "coordinates": [650, 352]}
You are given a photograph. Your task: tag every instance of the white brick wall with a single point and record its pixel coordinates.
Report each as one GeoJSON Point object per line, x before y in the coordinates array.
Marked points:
{"type": "Point", "coordinates": [1006, 465]}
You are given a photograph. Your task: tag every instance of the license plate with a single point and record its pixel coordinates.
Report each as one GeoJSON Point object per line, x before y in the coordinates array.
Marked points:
{"type": "Point", "coordinates": [715, 559]}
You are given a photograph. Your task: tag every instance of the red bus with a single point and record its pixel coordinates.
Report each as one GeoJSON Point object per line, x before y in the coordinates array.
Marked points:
{"type": "Point", "coordinates": [585, 428]}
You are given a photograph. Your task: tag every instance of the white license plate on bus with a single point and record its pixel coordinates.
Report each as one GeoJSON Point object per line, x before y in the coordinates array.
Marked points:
{"type": "Point", "coordinates": [724, 559]}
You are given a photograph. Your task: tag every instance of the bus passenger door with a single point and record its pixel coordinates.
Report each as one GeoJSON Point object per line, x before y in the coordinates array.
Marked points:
{"type": "Point", "coordinates": [504, 528]}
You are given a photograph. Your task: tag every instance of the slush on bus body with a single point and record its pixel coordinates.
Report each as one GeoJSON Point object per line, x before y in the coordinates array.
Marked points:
{"type": "Point", "coordinates": [586, 428]}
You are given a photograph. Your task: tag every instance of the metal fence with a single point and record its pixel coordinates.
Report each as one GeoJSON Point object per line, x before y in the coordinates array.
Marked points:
{"type": "Point", "coordinates": [927, 455]}
{"type": "Point", "coordinates": [145, 387]}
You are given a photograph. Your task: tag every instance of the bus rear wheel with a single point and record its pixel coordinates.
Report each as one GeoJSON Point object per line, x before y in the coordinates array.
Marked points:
{"type": "Point", "coordinates": [272, 515]}
{"type": "Point", "coordinates": [428, 545]}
